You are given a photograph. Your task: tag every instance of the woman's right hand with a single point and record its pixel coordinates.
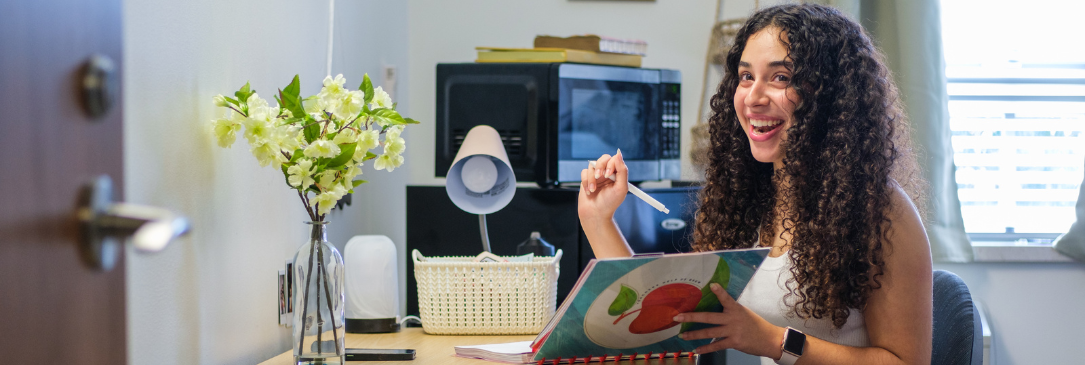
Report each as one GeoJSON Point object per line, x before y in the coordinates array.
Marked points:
{"type": "Point", "coordinates": [599, 198]}
{"type": "Point", "coordinates": [599, 195]}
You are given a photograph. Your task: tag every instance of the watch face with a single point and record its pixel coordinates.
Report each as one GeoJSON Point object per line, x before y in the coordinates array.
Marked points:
{"type": "Point", "coordinates": [794, 342]}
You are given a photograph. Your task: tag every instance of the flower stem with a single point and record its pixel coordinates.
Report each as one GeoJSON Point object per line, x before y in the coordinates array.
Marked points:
{"type": "Point", "coordinates": [307, 208]}
{"type": "Point", "coordinates": [328, 294]}
{"type": "Point", "coordinates": [238, 111]}
{"type": "Point", "coordinates": [305, 301]}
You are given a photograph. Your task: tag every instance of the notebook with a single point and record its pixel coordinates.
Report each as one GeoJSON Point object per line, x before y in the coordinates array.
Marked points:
{"type": "Point", "coordinates": [621, 308]}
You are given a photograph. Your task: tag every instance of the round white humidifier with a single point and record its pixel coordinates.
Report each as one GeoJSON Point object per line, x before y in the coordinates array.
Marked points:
{"type": "Point", "coordinates": [372, 285]}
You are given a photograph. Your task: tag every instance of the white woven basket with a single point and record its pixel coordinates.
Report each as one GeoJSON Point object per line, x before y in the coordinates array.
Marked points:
{"type": "Point", "coordinates": [457, 296]}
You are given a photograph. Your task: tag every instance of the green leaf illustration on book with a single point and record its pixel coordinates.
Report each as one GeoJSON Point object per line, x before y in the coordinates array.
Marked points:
{"type": "Point", "coordinates": [625, 300]}
{"type": "Point", "coordinates": [708, 299]}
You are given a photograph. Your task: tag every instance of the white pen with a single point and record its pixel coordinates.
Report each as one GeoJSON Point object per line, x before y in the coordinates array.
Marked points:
{"type": "Point", "coordinates": [639, 193]}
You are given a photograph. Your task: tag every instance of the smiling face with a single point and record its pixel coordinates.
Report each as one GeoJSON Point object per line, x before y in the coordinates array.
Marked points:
{"type": "Point", "coordinates": [764, 99]}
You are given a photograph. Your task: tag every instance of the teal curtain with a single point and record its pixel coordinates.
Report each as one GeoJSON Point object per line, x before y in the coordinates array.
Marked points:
{"type": "Point", "coordinates": [909, 33]}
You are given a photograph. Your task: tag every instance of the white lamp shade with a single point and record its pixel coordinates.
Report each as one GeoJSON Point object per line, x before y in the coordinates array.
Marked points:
{"type": "Point", "coordinates": [372, 278]}
{"type": "Point", "coordinates": [481, 180]}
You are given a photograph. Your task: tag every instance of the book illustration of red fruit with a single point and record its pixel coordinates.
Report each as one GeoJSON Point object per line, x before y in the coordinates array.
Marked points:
{"type": "Point", "coordinates": [659, 307]}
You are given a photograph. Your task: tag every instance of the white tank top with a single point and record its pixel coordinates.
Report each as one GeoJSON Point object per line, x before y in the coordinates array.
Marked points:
{"type": "Point", "coordinates": [765, 293]}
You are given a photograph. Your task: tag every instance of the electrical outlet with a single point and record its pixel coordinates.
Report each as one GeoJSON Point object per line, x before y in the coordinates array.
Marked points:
{"type": "Point", "coordinates": [286, 295]}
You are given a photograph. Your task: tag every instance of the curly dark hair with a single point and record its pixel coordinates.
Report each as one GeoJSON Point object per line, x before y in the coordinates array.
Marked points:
{"type": "Point", "coordinates": [847, 147]}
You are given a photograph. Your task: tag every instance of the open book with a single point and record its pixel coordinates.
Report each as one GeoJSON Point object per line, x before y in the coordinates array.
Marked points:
{"type": "Point", "coordinates": [622, 308]}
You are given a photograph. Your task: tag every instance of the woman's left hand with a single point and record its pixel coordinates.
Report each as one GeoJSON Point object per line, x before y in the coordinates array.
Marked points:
{"type": "Point", "coordinates": [739, 328]}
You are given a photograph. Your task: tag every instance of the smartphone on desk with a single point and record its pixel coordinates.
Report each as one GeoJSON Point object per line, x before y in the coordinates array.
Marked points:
{"type": "Point", "coordinates": [380, 354]}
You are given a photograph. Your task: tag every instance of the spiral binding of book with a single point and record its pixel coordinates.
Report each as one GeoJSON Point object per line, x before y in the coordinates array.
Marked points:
{"type": "Point", "coordinates": [620, 357]}
{"type": "Point", "coordinates": [521, 352]}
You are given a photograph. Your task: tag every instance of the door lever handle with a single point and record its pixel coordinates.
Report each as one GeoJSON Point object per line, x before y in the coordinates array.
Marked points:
{"type": "Point", "coordinates": [104, 224]}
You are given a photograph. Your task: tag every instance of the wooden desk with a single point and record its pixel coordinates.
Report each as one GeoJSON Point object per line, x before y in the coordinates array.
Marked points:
{"type": "Point", "coordinates": [438, 349]}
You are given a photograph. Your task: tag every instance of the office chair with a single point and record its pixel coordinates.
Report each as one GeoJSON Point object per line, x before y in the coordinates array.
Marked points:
{"type": "Point", "coordinates": [958, 336]}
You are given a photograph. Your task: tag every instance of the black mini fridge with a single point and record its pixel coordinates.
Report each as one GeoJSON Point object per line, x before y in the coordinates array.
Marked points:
{"type": "Point", "coordinates": [436, 227]}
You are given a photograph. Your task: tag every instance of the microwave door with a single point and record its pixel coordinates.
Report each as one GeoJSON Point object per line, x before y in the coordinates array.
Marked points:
{"type": "Point", "coordinates": [597, 117]}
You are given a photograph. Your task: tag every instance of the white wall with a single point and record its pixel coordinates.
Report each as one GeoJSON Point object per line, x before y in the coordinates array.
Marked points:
{"type": "Point", "coordinates": [677, 33]}
{"type": "Point", "coordinates": [209, 298]}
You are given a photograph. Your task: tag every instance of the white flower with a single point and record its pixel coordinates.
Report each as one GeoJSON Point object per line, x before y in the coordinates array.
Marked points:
{"type": "Point", "coordinates": [393, 132]}
{"type": "Point", "coordinates": [225, 131]}
{"type": "Point", "coordinates": [258, 130]}
{"type": "Point", "coordinates": [322, 148]}
{"type": "Point", "coordinates": [288, 137]}
{"type": "Point", "coordinates": [349, 174]}
{"type": "Point", "coordinates": [220, 101]}
{"type": "Point", "coordinates": [368, 140]}
{"type": "Point", "coordinates": [300, 174]}
{"type": "Point", "coordinates": [326, 200]}
{"type": "Point", "coordinates": [381, 99]}
{"type": "Point", "coordinates": [350, 105]}
{"type": "Point", "coordinates": [346, 136]}
{"type": "Point", "coordinates": [314, 105]}
{"type": "Point", "coordinates": [388, 162]}
{"type": "Point", "coordinates": [267, 152]}
{"type": "Point", "coordinates": [258, 108]}
{"type": "Point", "coordinates": [327, 180]}
{"type": "Point", "coordinates": [331, 105]}
{"type": "Point", "coordinates": [393, 144]}
{"type": "Point", "coordinates": [333, 87]}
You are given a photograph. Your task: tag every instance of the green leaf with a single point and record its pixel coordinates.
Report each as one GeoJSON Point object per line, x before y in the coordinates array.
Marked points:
{"type": "Point", "coordinates": [367, 88]}
{"type": "Point", "coordinates": [296, 155]}
{"type": "Point", "coordinates": [243, 93]}
{"type": "Point", "coordinates": [625, 300]}
{"type": "Point", "coordinates": [231, 100]}
{"type": "Point", "coordinates": [709, 300]}
{"type": "Point", "coordinates": [394, 106]}
{"type": "Point", "coordinates": [387, 116]}
{"type": "Point", "coordinates": [345, 154]}
{"type": "Point", "coordinates": [290, 99]}
{"type": "Point", "coordinates": [358, 182]}
{"type": "Point", "coordinates": [369, 156]}
{"type": "Point", "coordinates": [294, 88]}
{"type": "Point", "coordinates": [410, 121]}
{"type": "Point", "coordinates": [311, 130]}
{"type": "Point", "coordinates": [286, 176]}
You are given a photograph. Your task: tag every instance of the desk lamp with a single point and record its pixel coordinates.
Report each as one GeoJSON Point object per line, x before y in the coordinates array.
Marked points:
{"type": "Point", "coordinates": [481, 180]}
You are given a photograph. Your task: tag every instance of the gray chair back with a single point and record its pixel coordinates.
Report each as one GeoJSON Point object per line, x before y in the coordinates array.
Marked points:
{"type": "Point", "coordinates": [958, 337]}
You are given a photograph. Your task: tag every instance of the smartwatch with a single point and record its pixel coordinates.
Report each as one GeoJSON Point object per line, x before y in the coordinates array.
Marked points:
{"type": "Point", "coordinates": [794, 342]}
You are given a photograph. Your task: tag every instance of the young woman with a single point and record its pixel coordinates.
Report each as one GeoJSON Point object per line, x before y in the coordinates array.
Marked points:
{"type": "Point", "coordinates": [809, 156]}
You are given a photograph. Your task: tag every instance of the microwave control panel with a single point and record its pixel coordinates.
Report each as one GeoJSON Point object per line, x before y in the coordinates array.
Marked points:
{"type": "Point", "coordinates": [670, 97]}
{"type": "Point", "coordinates": [671, 121]}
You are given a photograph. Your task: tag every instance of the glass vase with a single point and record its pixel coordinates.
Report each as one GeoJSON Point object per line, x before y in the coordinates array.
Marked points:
{"type": "Point", "coordinates": [318, 301]}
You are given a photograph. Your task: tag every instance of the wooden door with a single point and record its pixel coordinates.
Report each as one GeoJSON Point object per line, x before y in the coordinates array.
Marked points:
{"type": "Point", "coordinates": [54, 308]}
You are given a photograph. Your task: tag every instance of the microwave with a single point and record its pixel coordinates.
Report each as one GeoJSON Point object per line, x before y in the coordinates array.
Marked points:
{"type": "Point", "coordinates": [554, 118]}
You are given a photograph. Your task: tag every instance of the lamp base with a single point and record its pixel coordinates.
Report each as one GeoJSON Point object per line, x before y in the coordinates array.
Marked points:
{"type": "Point", "coordinates": [376, 325]}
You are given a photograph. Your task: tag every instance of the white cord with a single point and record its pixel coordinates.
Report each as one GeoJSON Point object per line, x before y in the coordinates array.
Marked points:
{"type": "Point", "coordinates": [403, 323]}
{"type": "Point", "coordinates": [331, 32]}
